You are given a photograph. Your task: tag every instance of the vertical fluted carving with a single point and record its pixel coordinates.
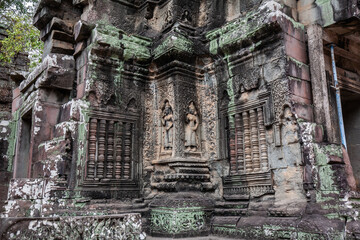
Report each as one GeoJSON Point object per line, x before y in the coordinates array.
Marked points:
{"type": "Point", "coordinates": [92, 149]}
{"type": "Point", "coordinates": [127, 154]}
{"type": "Point", "coordinates": [101, 151]}
{"type": "Point", "coordinates": [239, 144]}
{"type": "Point", "coordinates": [110, 151]}
{"type": "Point", "coordinates": [262, 141]}
{"type": "Point", "coordinates": [232, 139]}
{"type": "Point", "coordinates": [118, 151]}
{"type": "Point", "coordinates": [247, 143]}
{"type": "Point", "coordinates": [254, 141]}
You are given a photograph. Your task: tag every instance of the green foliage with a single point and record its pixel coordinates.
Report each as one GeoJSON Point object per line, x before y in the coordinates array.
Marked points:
{"type": "Point", "coordinates": [16, 16]}
{"type": "Point", "coordinates": [18, 5]}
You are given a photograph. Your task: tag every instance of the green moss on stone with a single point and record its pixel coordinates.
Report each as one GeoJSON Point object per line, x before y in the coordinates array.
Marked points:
{"type": "Point", "coordinates": [309, 236]}
{"type": "Point", "coordinates": [131, 46]}
{"type": "Point", "coordinates": [12, 140]}
{"type": "Point", "coordinates": [176, 42]}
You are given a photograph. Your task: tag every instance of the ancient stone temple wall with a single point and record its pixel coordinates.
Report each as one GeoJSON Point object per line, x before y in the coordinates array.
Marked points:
{"type": "Point", "coordinates": [10, 76]}
{"type": "Point", "coordinates": [178, 119]}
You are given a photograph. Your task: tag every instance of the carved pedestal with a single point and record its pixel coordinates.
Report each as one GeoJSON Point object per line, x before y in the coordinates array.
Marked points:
{"type": "Point", "coordinates": [182, 215]}
{"type": "Point", "coordinates": [182, 175]}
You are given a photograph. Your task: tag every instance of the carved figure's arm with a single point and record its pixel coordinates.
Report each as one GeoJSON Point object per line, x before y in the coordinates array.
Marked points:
{"type": "Point", "coordinates": [196, 123]}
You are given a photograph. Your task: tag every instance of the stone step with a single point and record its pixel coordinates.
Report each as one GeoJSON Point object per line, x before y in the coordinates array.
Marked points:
{"type": "Point", "coordinates": [233, 205]}
{"type": "Point", "coordinates": [230, 212]}
{"type": "Point", "coordinates": [193, 170]}
{"type": "Point", "coordinates": [354, 200]}
{"type": "Point", "coordinates": [108, 211]}
{"type": "Point", "coordinates": [118, 206]}
{"type": "Point", "coordinates": [210, 237]}
{"type": "Point", "coordinates": [165, 186]}
{"type": "Point", "coordinates": [236, 197]}
{"type": "Point", "coordinates": [208, 186]}
{"type": "Point", "coordinates": [230, 221]}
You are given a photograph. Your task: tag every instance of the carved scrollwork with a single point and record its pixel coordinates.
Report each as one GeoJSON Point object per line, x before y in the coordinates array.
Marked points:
{"type": "Point", "coordinates": [173, 221]}
{"type": "Point", "coordinates": [280, 97]}
{"type": "Point", "coordinates": [123, 227]}
{"type": "Point", "coordinates": [148, 149]}
{"type": "Point", "coordinates": [209, 98]}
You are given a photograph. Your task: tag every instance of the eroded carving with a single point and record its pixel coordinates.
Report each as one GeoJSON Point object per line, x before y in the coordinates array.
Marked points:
{"type": "Point", "coordinates": [247, 80]}
{"type": "Point", "coordinates": [192, 124]}
{"type": "Point", "coordinates": [186, 17]}
{"type": "Point", "coordinates": [167, 123]}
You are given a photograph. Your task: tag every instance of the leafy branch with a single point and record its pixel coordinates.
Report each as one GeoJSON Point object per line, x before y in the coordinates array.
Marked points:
{"type": "Point", "coordinates": [22, 36]}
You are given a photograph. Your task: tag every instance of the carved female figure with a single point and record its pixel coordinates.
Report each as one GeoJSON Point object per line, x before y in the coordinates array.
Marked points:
{"type": "Point", "coordinates": [192, 124]}
{"type": "Point", "coordinates": [167, 122]}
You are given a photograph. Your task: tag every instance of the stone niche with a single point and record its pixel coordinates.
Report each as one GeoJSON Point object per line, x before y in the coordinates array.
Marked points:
{"type": "Point", "coordinates": [250, 174]}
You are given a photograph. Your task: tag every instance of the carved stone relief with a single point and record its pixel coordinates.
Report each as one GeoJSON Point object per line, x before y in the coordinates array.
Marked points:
{"type": "Point", "coordinates": [148, 149]}
{"type": "Point", "coordinates": [110, 150]}
{"type": "Point", "coordinates": [163, 100]}
{"type": "Point", "coordinates": [127, 226]}
{"type": "Point", "coordinates": [246, 80]}
{"type": "Point", "coordinates": [209, 108]}
{"type": "Point", "coordinates": [192, 124]}
{"type": "Point", "coordinates": [186, 17]}
{"type": "Point", "coordinates": [184, 93]}
{"type": "Point", "coordinates": [280, 92]}
{"type": "Point", "coordinates": [167, 122]}
{"type": "Point", "coordinates": [250, 175]}
{"type": "Point", "coordinates": [250, 153]}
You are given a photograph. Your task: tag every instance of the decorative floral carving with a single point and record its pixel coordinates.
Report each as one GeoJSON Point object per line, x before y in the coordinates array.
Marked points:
{"type": "Point", "coordinates": [280, 95]}
{"type": "Point", "coordinates": [148, 148]}
{"type": "Point", "coordinates": [125, 227]}
{"type": "Point", "coordinates": [177, 221]}
{"type": "Point", "coordinates": [207, 95]}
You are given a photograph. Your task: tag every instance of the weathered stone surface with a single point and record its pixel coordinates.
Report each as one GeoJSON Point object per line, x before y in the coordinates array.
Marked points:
{"type": "Point", "coordinates": [10, 76]}
{"type": "Point", "coordinates": [207, 118]}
